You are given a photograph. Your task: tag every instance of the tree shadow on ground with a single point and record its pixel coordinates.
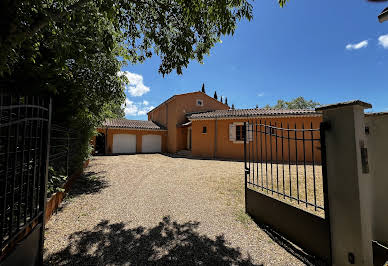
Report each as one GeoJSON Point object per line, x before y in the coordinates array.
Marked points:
{"type": "Point", "coordinates": [168, 243]}
{"type": "Point", "coordinates": [88, 183]}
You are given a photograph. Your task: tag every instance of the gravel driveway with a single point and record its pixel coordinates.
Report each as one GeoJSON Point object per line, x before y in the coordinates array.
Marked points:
{"type": "Point", "coordinates": [158, 210]}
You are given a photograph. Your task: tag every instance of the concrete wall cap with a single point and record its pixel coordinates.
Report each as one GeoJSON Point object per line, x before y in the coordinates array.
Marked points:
{"type": "Point", "coordinates": [377, 114]}
{"type": "Point", "coordinates": [344, 104]}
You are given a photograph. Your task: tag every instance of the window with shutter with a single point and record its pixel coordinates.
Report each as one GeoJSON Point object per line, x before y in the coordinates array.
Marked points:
{"type": "Point", "coordinates": [240, 132]}
{"type": "Point", "coordinates": [232, 132]}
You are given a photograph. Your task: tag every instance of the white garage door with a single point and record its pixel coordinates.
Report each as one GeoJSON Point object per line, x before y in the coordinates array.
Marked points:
{"type": "Point", "coordinates": [151, 143]}
{"type": "Point", "coordinates": [124, 143]}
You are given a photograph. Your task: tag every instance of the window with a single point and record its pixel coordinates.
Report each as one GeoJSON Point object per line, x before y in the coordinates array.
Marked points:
{"type": "Point", "coordinates": [204, 130]}
{"type": "Point", "coordinates": [199, 103]}
{"type": "Point", "coordinates": [240, 132]}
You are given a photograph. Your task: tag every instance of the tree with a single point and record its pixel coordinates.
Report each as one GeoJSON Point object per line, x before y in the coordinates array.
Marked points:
{"type": "Point", "coordinates": [297, 103]}
{"type": "Point", "coordinates": [282, 3]}
{"type": "Point", "coordinates": [177, 31]}
{"type": "Point", "coordinates": [203, 88]}
{"type": "Point", "coordinates": [221, 100]}
{"type": "Point", "coordinates": [73, 50]}
{"type": "Point", "coordinates": [226, 100]}
{"type": "Point", "coordinates": [215, 95]}
{"type": "Point", "coordinates": [232, 106]}
{"type": "Point", "coordinates": [257, 106]}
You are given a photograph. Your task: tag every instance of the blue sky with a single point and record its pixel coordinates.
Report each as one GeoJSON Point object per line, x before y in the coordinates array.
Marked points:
{"type": "Point", "coordinates": [328, 51]}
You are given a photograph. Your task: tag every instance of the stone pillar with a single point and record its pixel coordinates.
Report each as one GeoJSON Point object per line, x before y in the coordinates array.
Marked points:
{"type": "Point", "coordinates": [348, 179]}
{"type": "Point", "coordinates": [377, 126]}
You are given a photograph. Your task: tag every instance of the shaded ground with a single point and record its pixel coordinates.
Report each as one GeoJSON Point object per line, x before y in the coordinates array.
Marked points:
{"type": "Point", "coordinates": [158, 210]}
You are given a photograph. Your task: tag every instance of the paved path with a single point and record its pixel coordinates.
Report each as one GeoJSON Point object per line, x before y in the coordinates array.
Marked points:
{"type": "Point", "coordinates": [158, 210]}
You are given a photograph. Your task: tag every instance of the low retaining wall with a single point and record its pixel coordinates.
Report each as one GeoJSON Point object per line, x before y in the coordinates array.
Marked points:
{"type": "Point", "coordinates": [57, 198]}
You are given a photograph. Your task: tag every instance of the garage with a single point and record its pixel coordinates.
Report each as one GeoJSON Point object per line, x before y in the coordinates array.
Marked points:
{"type": "Point", "coordinates": [124, 143]}
{"type": "Point", "coordinates": [151, 144]}
{"type": "Point", "coordinates": [123, 136]}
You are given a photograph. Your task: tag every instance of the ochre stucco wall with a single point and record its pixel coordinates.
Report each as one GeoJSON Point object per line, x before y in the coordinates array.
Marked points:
{"type": "Point", "coordinates": [187, 103]}
{"type": "Point", "coordinates": [203, 144]}
{"type": "Point", "coordinates": [182, 138]}
{"type": "Point", "coordinates": [173, 113]}
{"type": "Point", "coordinates": [139, 133]}
{"type": "Point", "coordinates": [159, 115]}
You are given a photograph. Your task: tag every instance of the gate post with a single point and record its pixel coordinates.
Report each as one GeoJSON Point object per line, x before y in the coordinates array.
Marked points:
{"type": "Point", "coordinates": [43, 197]}
{"type": "Point", "coordinates": [245, 165]}
{"type": "Point", "coordinates": [348, 182]}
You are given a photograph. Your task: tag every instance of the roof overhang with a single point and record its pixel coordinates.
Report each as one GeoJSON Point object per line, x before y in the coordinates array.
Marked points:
{"type": "Point", "coordinates": [254, 117]}
{"type": "Point", "coordinates": [133, 128]}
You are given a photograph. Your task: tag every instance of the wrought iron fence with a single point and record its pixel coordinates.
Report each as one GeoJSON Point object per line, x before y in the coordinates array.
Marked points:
{"type": "Point", "coordinates": [64, 147]}
{"type": "Point", "coordinates": [284, 161]}
{"type": "Point", "coordinates": [24, 123]}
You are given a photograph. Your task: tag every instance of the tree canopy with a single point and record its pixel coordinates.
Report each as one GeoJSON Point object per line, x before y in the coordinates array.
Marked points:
{"type": "Point", "coordinates": [73, 50]}
{"type": "Point", "coordinates": [177, 31]}
{"type": "Point", "coordinates": [297, 103]}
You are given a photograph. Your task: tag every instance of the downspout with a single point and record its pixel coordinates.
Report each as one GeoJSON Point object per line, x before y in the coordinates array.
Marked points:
{"type": "Point", "coordinates": [215, 138]}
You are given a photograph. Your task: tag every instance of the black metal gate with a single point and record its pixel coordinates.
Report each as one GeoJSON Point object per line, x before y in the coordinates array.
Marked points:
{"type": "Point", "coordinates": [24, 147]}
{"type": "Point", "coordinates": [285, 182]}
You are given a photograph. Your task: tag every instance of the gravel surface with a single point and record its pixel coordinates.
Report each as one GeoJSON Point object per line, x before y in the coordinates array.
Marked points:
{"type": "Point", "coordinates": [158, 210]}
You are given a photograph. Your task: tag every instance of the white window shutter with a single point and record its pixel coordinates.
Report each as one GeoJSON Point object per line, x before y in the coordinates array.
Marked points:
{"type": "Point", "coordinates": [232, 132]}
{"type": "Point", "coordinates": [250, 132]}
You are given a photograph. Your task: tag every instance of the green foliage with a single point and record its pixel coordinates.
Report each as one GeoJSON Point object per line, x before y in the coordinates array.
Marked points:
{"type": "Point", "coordinates": [203, 88]}
{"type": "Point", "coordinates": [215, 95]}
{"type": "Point", "coordinates": [243, 217]}
{"type": "Point", "coordinates": [177, 31]}
{"type": "Point", "coordinates": [282, 3]}
{"type": "Point", "coordinates": [73, 50]}
{"type": "Point", "coordinates": [297, 103]}
{"type": "Point", "coordinates": [55, 181]}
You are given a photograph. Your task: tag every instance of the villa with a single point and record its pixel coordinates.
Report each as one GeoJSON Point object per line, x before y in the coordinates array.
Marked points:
{"type": "Point", "coordinates": [204, 127]}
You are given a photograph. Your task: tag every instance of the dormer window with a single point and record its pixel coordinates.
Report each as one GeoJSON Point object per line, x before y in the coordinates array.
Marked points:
{"type": "Point", "coordinates": [199, 103]}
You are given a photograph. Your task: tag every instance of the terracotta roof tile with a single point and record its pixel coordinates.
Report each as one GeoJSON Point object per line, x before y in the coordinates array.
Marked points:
{"type": "Point", "coordinates": [252, 113]}
{"type": "Point", "coordinates": [135, 124]}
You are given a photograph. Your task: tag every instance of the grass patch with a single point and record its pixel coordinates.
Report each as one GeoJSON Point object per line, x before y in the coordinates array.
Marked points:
{"type": "Point", "coordinates": [243, 218]}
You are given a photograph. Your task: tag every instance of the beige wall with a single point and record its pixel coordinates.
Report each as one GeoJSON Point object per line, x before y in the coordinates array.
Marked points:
{"type": "Point", "coordinates": [139, 134]}
{"type": "Point", "coordinates": [348, 185]}
{"type": "Point", "coordinates": [378, 147]}
{"type": "Point", "coordinates": [204, 144]}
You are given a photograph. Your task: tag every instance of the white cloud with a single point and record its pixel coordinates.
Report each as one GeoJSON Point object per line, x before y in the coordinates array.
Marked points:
{"type": "Point", "coordinates": [260, 94]}
{"type": "Point", "coordinates": [136, 109]}
{"type": "Point", "coordinates": [130, 108]}
{"type": "Point", "coordinates": [135, 87]}
{"type": "Point", "coordinates": [357, 46]}
{"type": "Point", "coordinates": [145, 110]}
{"type": "Point", "coordinates": [383, 41]}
